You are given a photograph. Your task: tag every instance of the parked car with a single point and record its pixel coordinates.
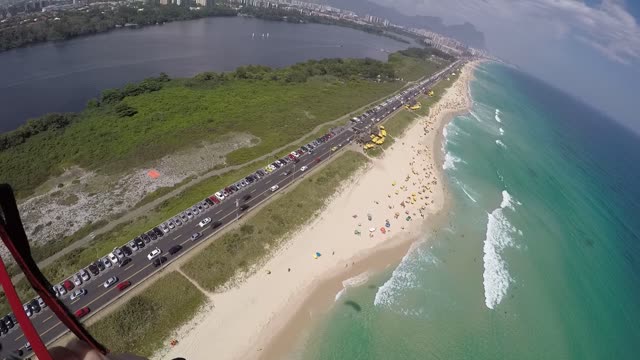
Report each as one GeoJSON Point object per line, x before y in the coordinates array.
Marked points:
{"type": "Point", "coordinates": [113, 258]}
{"type": "Point", "coordinates": [106, 262]}
{"type": "Point", "coordinates": [184, 218]}
{"type": "Point", "coordinates": [214, 199]}
{"type": "Point", "coordinates": [93, 268]}
{"type": "Point", "coordinates": [152, 234]}
{"type": "Point", "coordinates": [274, 188]}
{"type": "Point", "coordinates": [216, 224]}
{"type": "Point", "coordinates": [204, 222]}
{"type": "Point", "coordinates": [68, 285]}
{"type": "Point", "coordinates": [165, 228]}
{"type": "Point", "coordinates": [127, 250]}
{"type": "Point", "coordinates": [77, 293]}
{"type": "Point", "coordinates": [27, 310]}
{"type": "Point", "coordinates": [133, 245]}
{"type": "Point", "coordinates": [209, 202]}
{"type": "Point", "coordinates": [8, 321]}
{"type": "Point", "coordinates": [146, 238]}
{"type": "Point", "coordinates": [41, 302]}
{"type": "Point", "coordinates": [158, 232]}
{"type": "Point", "coordinates": [3, 328]}
{"type": "Point", "coordinates": [175, 249]}
{"type": "Point", "coordinates": [35, 306]}
{"type": "Point", "coordinates": [123, 285]}
{"type": "Point", "coordinates": [124, 261]}
{"type": "Point", "coordinates": [177, 221]}
{"type": "Point", "coordinates": [82, 312]}
{"type": "Point", "coordinates": [154, 253]}
{"type": "Point", "coordinates": [139, 242]}
{"type": "Point", "coordinates": [100, 265]}
{"type": "Point", "coordinates": [171, 224]}
{"type": "Point", "coordinates": [195, 236]}
{"type": "Point", "coordinates": [77, 280]}
{"type": "Point", "coordinates": [110, 281]}
{"type": "Point", "coordinates": [118, 253]}
{"type": "Point", "coordinates": [84, 275]}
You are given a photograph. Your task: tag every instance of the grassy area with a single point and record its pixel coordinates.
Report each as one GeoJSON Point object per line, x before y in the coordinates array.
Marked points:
{"type": "Point", "coordinates": [143, 324]}
{"type": "Point", "coordinates": [240, 248]}
{"type": "Point", "coordinates": [412, 69]}
{"type": "Point", "coordinates": [179, 116]}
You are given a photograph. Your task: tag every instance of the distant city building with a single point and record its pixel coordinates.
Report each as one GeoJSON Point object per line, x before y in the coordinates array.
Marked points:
{"type": "Point", "coordinates": [202, 2]}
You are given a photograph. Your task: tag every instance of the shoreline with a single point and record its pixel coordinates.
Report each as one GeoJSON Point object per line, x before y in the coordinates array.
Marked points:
{"type": "Point", "coordinates": [324, 293]}
{"type": "Point", "coordinates": [261, 317]}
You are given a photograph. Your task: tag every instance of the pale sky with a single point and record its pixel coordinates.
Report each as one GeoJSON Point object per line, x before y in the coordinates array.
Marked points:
{"type": "Point", "coordinates": [590, 49]}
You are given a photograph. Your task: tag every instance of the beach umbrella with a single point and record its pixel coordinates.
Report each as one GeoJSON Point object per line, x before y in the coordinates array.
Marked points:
{"type": "Point", "coordinates": [316, 255]}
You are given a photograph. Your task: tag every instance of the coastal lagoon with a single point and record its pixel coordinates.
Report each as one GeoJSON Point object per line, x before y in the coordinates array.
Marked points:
{"type": "Point", "coordinates": [539, 257]}
{"type": "Point", "coordinates": [62, 76]}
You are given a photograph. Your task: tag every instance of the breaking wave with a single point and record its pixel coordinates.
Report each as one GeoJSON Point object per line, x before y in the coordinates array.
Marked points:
{"type": "Point", "coordinates": [496, 277]}
{"type": "Point", "coordinates": [501, 131]}
{"type": "Point", "coordinates": [497, 116]}
{"type": "Point", "coordinates": [340, 293]}
{"type": "Point", "coordinates": [450, 161]}
{"type": "Point", "coordinates": [405, 277]}
{"type": "Point", "coordinates": [501, 144]}
{"type": "Point", "coordinates": [475, 116]}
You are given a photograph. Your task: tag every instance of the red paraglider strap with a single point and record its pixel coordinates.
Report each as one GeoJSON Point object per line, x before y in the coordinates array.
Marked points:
{"type": "Point", "coordinates": [14, 237]}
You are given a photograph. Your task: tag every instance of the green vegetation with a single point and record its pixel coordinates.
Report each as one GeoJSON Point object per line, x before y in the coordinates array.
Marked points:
{"type": "Point", "coordinates": [398, 124]}
{"type": "Point", "coordinates": [238, 249]}
{"type": "Point", "coordinates": [411, 69]}
{"type": "Point", "coordinates": [277, 106]}
{"type": "Point", "coordinates": [143, 323]}
{"type": "Point", "coordinates": [97, 19]}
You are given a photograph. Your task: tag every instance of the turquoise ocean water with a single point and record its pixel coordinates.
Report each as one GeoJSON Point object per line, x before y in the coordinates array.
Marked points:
{"type": "Point", "coordinates": [541, 256]}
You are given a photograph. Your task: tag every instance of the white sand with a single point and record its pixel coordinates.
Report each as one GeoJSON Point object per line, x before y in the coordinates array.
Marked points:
{"type": "Point", "coordinates": [245, 319]}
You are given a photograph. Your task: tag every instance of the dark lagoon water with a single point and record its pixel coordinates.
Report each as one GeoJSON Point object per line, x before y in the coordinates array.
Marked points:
{"type": "Point", "coordinates": [62, 76]}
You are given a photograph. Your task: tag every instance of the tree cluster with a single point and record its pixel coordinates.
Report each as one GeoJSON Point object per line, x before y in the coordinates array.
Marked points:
{"type": "Point", "coordinates": [72, 23]}
{"type": "Point", "coordinates": [114, 96]}
{"type": "Point", "coordinates": [53, 121]}
{"type": "Point", "coordinates": [348, 69]}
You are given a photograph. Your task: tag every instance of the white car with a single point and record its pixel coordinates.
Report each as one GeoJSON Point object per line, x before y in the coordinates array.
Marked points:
{"type": "Point", "coordinates": [303, 168]}
{"type": "Point", "coordinates": [274, 188]}
{"type": "Point", "coordinates": [113, 258]}
{"type": "Point", "coordinates": [219, 195]}
{"type": "Point", "coordinates": [165, 228]}
{"type": "Point", "coordinates": [295, 154]}
{"type": "Point", "coordinates": [76, 294]}
{"type": "Point", "coordinates": [84, 275]}
{"type": "Point", "coordinates": [106, 262]}
{"type": "Point", "coordinates": [204, 222]}
{"type": "Point", "coordinates": [77, 280]}
{"type": "Point", "coordinates": [110, 281]}
{"type": "Point", "coordinates": [153, 254]}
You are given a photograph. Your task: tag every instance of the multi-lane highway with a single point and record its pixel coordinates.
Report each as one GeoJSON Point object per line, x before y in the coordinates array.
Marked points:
{"type": "Point", "coordinates": [226, 212]}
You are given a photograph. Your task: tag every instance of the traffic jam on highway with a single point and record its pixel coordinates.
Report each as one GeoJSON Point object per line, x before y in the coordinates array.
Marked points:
{"type": "Point", "coordinates": [87, 290]}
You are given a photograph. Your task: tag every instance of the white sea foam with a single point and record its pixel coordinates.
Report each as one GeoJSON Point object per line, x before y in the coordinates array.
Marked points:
{"type": "Point", "coordinates": [404, 276]}
{"type": "Point", "coordinates": [496, 277]}
{"type": "Point", "coordinates": [450, 161]}
{"type": "Point", "coordinates": [497, 116]}
{"type": "Point", "coordinates": [340, 293]}
{"type": "Point", "coordinates": [357, 280]}
{"type": "Point", "coordinates": [468, 195]}
{"type": "Point", "coordinates": [501, 131]}
{"type": "Point", "coordinates": [501, 144]}
{"type": "Point", "coordinates": [475, 116]}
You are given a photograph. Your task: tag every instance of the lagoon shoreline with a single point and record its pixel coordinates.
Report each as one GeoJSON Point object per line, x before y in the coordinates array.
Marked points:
{"type": "Point", "coordinates": [263, 317]}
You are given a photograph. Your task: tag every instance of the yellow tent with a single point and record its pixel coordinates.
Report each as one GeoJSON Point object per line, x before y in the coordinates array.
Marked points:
{"type": "Point", "coordinates": [383, 132]}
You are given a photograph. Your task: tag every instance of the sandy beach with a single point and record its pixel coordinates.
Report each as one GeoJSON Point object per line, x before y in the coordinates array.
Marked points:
{"type": "Point", "coordinates": [367, 226]}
